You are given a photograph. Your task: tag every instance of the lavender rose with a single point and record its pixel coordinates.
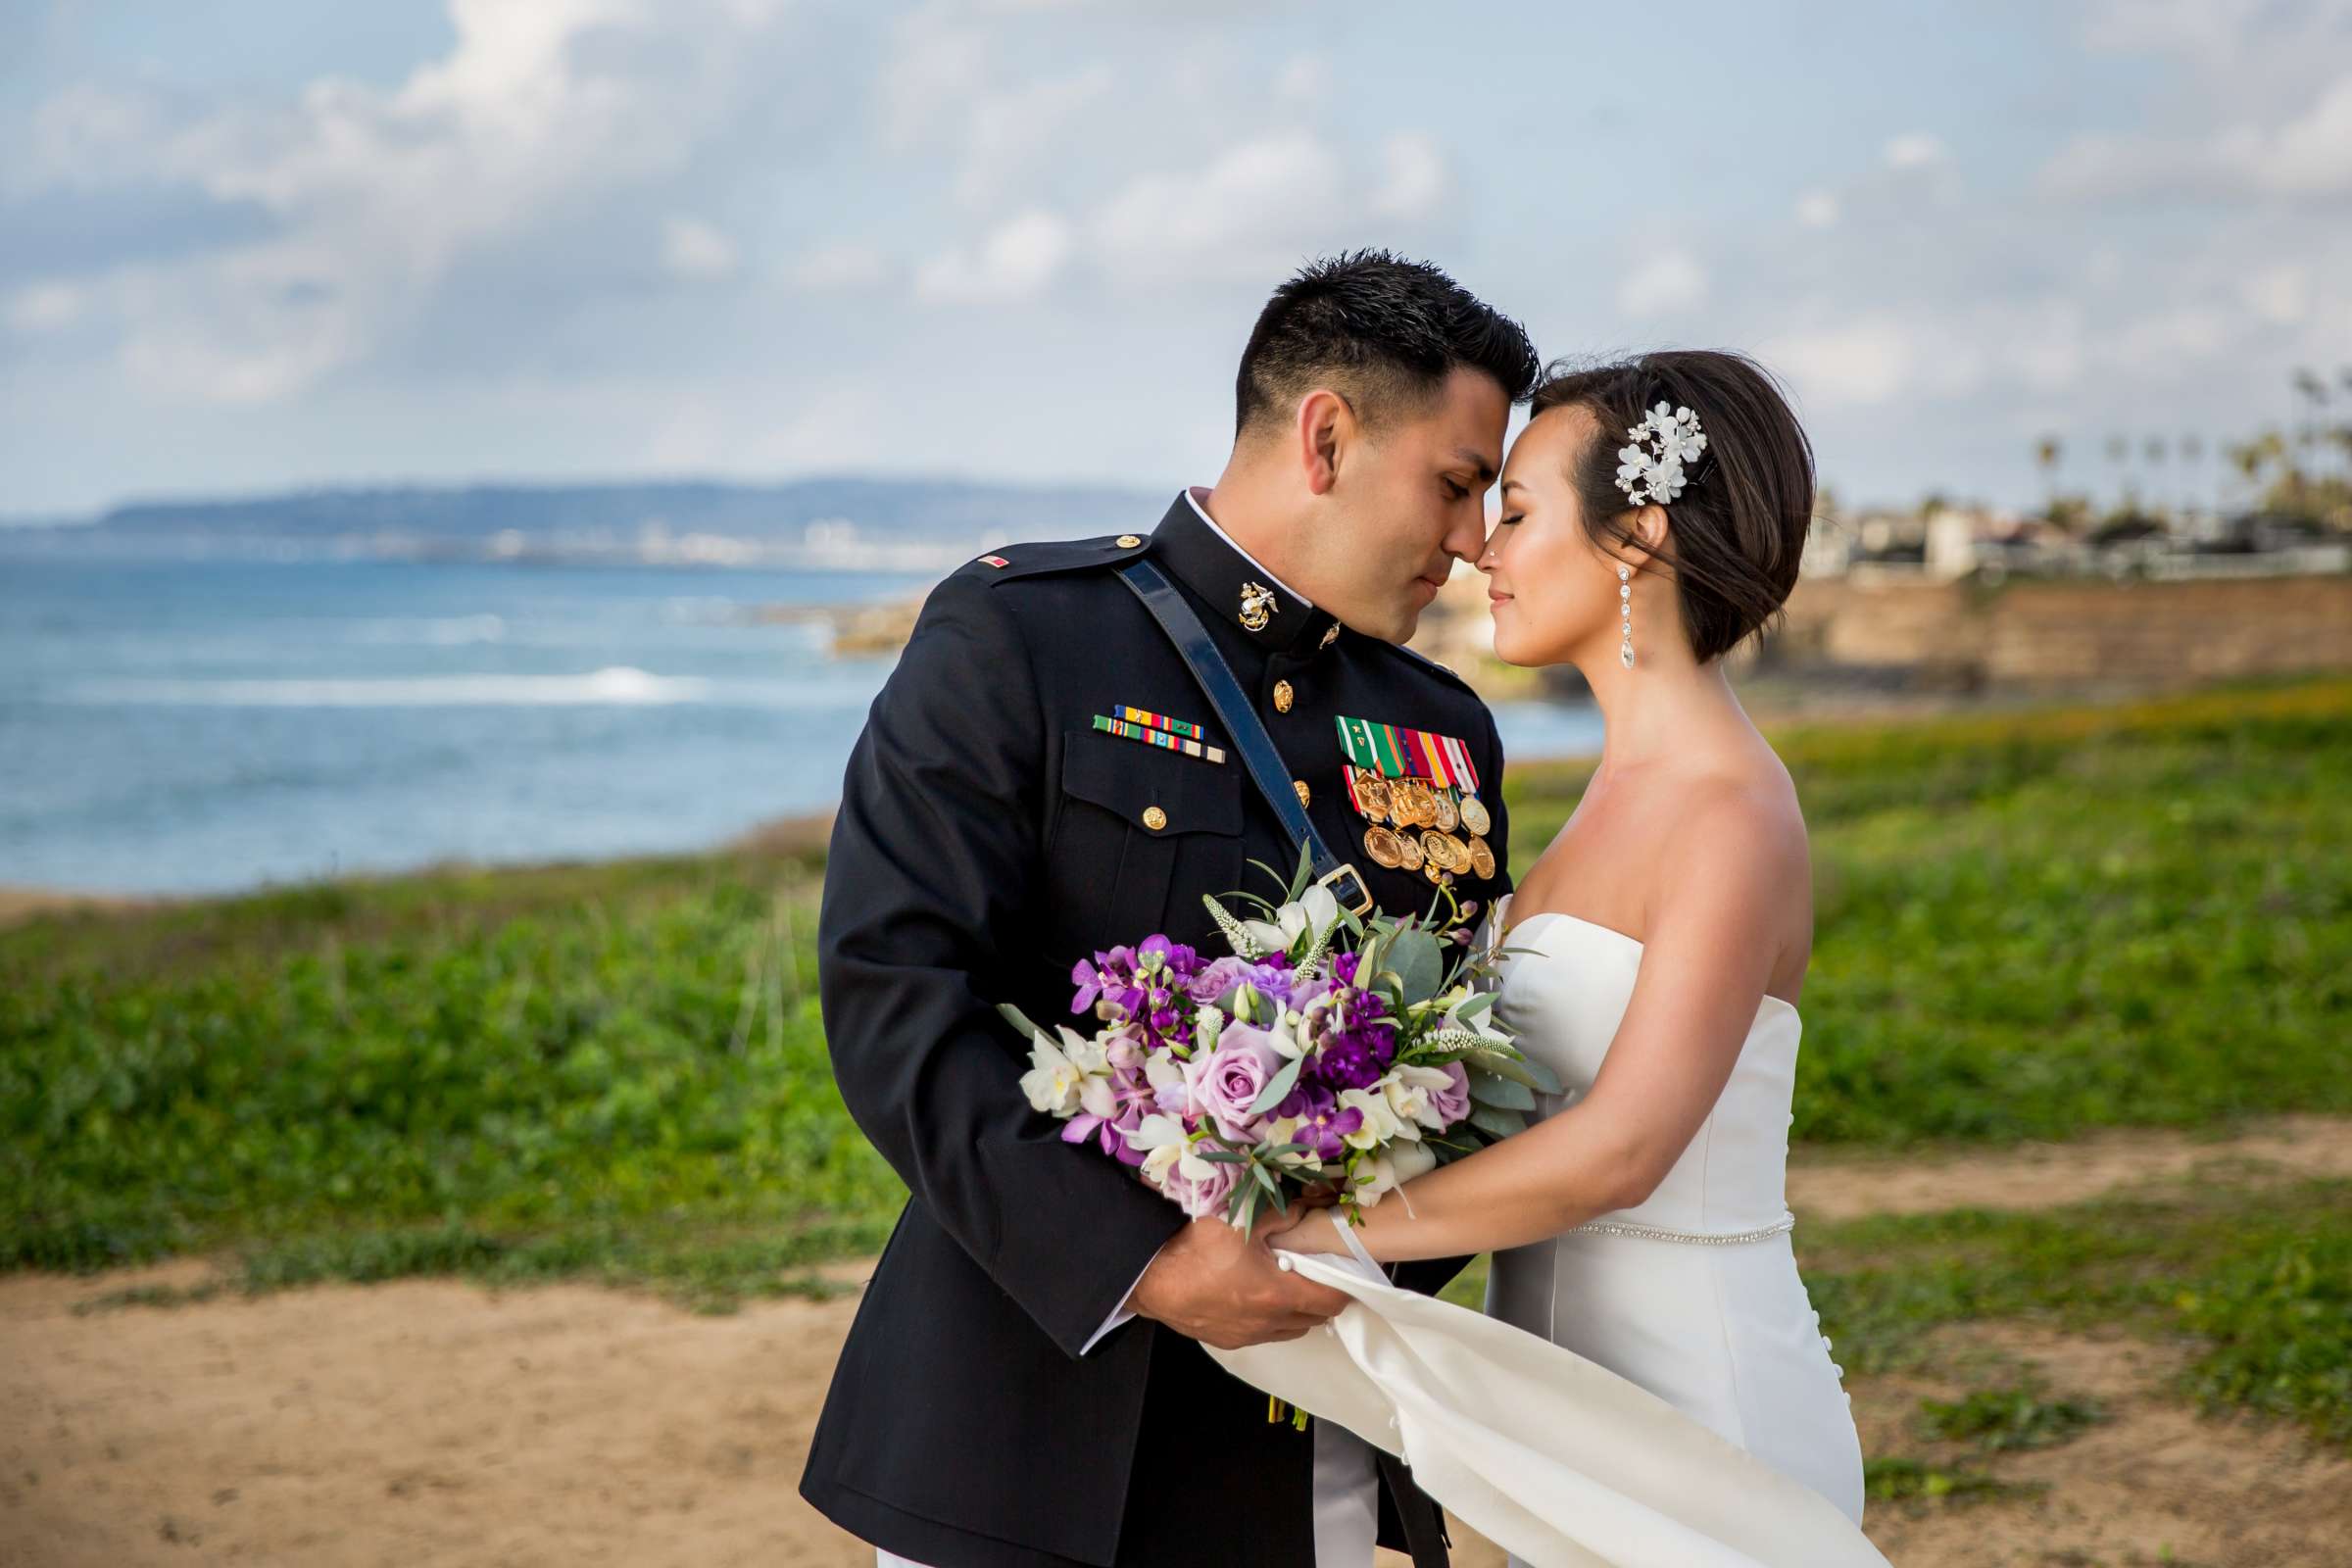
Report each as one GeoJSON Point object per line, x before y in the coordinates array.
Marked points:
{"type": "Point", "coordinates": [1229, 1079]}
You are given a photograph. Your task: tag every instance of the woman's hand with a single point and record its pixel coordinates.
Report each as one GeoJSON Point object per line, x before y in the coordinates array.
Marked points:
{"type": "Point", "coordinates": [1314, 1231]}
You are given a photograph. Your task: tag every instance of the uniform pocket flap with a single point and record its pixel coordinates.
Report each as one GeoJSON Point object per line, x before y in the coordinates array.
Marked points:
{"type": "Point", "coordinates": [1129, 779]}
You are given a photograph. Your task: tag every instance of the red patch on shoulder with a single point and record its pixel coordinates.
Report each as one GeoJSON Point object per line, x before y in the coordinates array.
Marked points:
{"type": "Point", "coordinates": [995, 561]}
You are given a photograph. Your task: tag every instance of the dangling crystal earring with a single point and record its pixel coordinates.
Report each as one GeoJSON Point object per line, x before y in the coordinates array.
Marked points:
{"type": "Point", "coordinates": [1624, 606]}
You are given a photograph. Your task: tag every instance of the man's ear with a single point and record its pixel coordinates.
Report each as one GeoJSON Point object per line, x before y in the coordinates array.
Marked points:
{"type": "Point", "coordinates": [1325, 427]}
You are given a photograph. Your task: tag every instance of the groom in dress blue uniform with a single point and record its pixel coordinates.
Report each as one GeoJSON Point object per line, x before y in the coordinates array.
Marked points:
{"type": "Point", "coordinates": [1025, 1386]}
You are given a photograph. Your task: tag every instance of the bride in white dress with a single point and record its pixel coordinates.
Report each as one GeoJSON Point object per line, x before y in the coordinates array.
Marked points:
{"type": "Point", "coordinates": [1653, 514]}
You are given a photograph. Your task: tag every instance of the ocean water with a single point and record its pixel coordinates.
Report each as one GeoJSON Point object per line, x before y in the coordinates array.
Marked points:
{"type": "Point", "coordinates": [209, 724]}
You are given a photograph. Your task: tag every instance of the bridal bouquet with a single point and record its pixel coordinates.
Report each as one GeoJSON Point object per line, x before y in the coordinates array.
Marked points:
{"type": "Point", "coordinates": [1324, 1050]}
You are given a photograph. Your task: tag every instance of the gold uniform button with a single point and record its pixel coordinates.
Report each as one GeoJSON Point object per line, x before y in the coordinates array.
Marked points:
{"type": "Point", "coordinates": [1305, 794]}
{"type": "Point", "coordinates": [1128, 541]}
{"type": "Point", "coordinates": [1155, 818]}
{"type": "Point", "coordinates": [1282, 696]}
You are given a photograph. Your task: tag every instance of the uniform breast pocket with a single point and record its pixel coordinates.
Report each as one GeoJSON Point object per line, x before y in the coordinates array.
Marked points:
{"type": "Point", "coordinates": [1146, 832]}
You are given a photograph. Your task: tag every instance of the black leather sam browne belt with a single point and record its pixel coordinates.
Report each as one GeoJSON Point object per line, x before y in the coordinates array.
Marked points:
{"type": "Point", "coordinates": [1249, 734]}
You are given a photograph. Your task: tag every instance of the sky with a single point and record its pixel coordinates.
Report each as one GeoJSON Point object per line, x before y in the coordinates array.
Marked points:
{"type": "Point", "coordinates": [248, 245]}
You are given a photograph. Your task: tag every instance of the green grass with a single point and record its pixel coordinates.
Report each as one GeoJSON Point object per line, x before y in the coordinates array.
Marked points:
{"type": "Point", "coordinates": [2008, 1419]}
{"type": "Point", "coordinates": [614, 1071]}
{"type": "Point", "coordinates": [2032, 924]}
{"type": "Point", "coordinates": [2028, 924]}
{"type": "Point", "coordinates": [2255, 1280]}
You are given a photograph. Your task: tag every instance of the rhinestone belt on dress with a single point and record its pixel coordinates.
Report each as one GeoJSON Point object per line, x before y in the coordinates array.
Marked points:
{"type": "Point", "coordinates": [1658, 1233]}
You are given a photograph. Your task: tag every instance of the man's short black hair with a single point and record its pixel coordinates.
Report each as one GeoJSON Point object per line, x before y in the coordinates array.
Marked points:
{"type": "Point", "coordinates": [1380, 330]}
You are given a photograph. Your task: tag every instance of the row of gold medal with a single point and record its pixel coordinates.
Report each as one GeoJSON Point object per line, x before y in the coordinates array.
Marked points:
{"type": "Point", "coordinates": [1412, 827]}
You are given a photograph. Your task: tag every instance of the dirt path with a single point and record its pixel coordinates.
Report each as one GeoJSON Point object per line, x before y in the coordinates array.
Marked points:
{"type": "Point", "coordinates": [2047, 1175]}
{"type": "Point", "coordinates": [427, 1422]}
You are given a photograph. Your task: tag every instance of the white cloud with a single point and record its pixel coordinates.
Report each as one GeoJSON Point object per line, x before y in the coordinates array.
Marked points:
{"type": "Point", "coordinates": [836, 269]}
{"type": "Point", "coordinates": [1011, 132]}
{"type": "Point", "coordinates": [1861, 362]}
{"type": "Point", "coordinates": [1913, 150]}
{"type": "Point", "coordinates": [1817, 209]}
{"type": "Point", "coordinates": [538, 107]}
{"type": "Point", "coordinates": [696, 251]}
{"type": "Point", "coordinates": [2308, 155]}
{"type": "Point", "coordinates": [1016, 262]}
{"type": "Point", "coordinates": [1663, 284]}
{"type": "Point", "coordinates": [40, 308]}
{"type": "Point", "coordinates": [1304, 79]}
{"type": "Point", "coordinates": [1413, 180]}
{"type": "Point", "coordinates": [2278, 294]}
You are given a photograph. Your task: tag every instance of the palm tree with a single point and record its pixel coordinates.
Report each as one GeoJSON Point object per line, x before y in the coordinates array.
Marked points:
{"type": "Point", "coordinates": [2046, 452]}
{"type": "Point", "coordinates": [2153, 451]}
{"type": "Point", "coordinates": [2314, 389]}
{"type": "Point", "coordinates": [2119, 453]}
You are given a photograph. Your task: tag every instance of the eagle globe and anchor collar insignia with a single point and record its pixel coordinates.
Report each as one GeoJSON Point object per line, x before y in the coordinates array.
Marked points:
{"type": "Point", "coordinates": [1257, 605]}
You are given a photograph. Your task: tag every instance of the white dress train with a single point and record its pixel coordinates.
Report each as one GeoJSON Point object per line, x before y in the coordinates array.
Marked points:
{"type": "Point", "coordinates": [1652, 1388]}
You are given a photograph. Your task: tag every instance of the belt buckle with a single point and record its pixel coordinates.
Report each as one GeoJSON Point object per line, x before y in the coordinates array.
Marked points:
{"type": "Point", "coordinates": [1362, 892]}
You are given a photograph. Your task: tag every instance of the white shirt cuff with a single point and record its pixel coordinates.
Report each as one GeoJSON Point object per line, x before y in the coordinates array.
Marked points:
{"type": "Point", "coordinates": [1122, 1313]}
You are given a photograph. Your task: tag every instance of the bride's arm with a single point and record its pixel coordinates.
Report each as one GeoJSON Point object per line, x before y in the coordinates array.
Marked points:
{"type": "Point", "coordinates": [1716, 927]}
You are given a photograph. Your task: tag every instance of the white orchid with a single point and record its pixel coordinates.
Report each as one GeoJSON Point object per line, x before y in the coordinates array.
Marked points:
{"type": "Point", "coordinates": [1408, 1089]}
{"type": "Point", "coordinates": [1288, 1034]}
{"type": "Point", "coordinates": [1388, 1172]}
{"type": "Point", "coordinates": [1053, 1083]}
{"type": "Point", "coordinates": [1162, 1142]}
{"type": "Point", "coordinates": [1087, 1055]}
{"type": "Point", "coordinates": [1316, 911]}
{"type": "Point", "coordinates": [1380, 1123]}
{"type": "Point", "coordinates": [1165, 1074]}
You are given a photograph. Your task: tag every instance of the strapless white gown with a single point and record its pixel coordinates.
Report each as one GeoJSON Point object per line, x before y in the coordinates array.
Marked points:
{"type": "Point", "coordinates": [1693, 1293]}
{"type": "Point", "coordinates": [1653, 1389]}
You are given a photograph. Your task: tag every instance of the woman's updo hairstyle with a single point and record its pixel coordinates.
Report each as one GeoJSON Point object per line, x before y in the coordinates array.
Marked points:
{"type": "Point", "coordinates": [1738, 528]}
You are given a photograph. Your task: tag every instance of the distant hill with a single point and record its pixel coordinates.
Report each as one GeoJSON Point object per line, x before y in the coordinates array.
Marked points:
{"type": "Point", "coordinates": [887, 509]}
{"type": "Point", "coordinates": [824, 521]}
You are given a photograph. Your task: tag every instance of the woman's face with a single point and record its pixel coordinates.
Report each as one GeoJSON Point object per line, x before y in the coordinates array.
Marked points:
{"type": "Point", "coordinates": [1554, 591]}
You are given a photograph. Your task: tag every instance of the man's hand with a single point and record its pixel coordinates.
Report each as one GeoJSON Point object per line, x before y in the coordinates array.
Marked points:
{"type": "Point", "coordinates": [1212, 1284]}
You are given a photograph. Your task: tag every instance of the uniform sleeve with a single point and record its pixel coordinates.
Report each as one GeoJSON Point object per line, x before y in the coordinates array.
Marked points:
{"type": "Point", "coordinates": [933, 863]}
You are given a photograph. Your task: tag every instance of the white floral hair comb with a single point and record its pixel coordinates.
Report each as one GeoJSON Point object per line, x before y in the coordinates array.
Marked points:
{"type": "Point", "coordinates": [1649, 467]}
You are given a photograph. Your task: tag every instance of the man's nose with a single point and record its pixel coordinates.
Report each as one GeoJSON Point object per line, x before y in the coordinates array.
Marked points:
{"type": "Point", "coordinates": [1466, 540]}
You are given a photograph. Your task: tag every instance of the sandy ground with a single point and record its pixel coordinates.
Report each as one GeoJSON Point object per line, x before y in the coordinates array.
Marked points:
{"type": "Point", "coordinates": [428, 1422]}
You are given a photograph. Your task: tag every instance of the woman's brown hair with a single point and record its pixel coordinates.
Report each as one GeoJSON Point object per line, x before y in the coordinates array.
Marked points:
{"type": "Point", "coordinates": [1738, 530]}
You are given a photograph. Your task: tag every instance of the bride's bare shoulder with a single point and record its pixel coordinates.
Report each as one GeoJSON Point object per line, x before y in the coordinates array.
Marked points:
{"type": "Point", "coordinates": [1740, 824]}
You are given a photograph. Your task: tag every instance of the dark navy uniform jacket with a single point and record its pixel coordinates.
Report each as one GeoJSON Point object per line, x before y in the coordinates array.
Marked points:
{"type": "Point", "coordinates": [989, 837]}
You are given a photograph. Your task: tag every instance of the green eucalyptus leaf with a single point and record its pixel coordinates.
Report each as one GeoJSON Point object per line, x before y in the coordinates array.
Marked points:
{"type": "Point", "coordinates": [1472, 1005]}
{"type": "Point", "coordinates": [1518, 1069]}
{"type": "Point", "coordinates": [1493, 1089]}
{"type": "Point", "coordinates": [1278, 1088]}
{"type": "Point", "coordinates": [1418, 963]}
{"type": "Point", "coordinates": [1019, 1020]}
{"type": "Point", "coordinates": [1497, 1121]}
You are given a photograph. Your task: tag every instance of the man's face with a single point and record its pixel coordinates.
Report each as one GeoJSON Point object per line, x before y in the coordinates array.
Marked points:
{"type": "Point", "coordinates": [1408, 500]}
